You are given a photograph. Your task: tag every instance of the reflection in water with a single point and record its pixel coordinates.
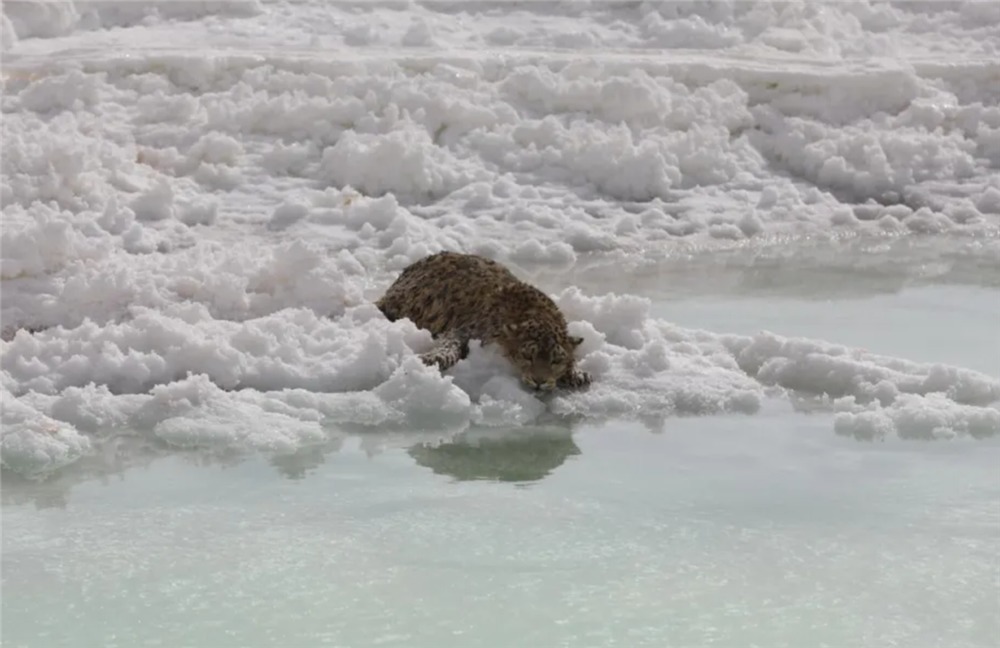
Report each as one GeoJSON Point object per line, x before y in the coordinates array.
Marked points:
{"type": "Point", "coordinates": [515, 455]}
{"type": "Point", "coordinates": [521, 455]}
{"type": "Point", "coordinates": [16, 489]}
{"type": "Point", "coordinates": [117, 458]}
{"type": "Point", "coordinates": [302, 462]}
{"type": "Point", "coordinates": [114, 456]}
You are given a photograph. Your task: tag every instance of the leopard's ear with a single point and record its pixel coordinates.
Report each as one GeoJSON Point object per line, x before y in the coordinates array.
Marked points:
{"type": "Point", "coordinates": [575, 340]}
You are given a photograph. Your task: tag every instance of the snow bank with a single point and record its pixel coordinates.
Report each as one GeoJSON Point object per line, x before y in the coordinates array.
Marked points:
{"type": "Point", "coordinates": [291, 349]}
{"type": "Point", "coordinates": [876, 396]}
{"type": "Point", "coordinates": [823, 368]}
{"type": "Point", "coordinates": [642, 368]}
{"type": "Point", "coordinates": [35, 444]}
{"type": "Point", "coordinates": [40, 19]}
{"type": "Point", "coordinates": [200, 200]}
{"type": "Point", "coordinates": [285, 380]}
{"type": "Point", "coordinates": [52, 18]}
{"type": "Point", "coordinates": [914, 417]}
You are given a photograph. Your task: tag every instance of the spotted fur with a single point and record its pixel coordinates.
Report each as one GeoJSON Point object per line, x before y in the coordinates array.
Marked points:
{"type": "Point", "coordinates": [462, 297]}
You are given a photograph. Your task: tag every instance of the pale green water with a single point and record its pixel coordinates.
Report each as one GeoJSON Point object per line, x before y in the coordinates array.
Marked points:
{"type": "Point", "coordinates": [764, 530]}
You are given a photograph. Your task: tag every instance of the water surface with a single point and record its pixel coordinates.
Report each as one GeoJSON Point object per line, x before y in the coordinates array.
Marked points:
{"type": "Point", "coordinates": [764, 530]}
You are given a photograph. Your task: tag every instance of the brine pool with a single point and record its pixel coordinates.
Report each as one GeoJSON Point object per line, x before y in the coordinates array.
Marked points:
{"type": "Point", "coordinates": [767, 530]}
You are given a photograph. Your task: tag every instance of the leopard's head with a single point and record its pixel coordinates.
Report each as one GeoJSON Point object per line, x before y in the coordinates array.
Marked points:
{"type": "Point", "coordinates": [541, 353]}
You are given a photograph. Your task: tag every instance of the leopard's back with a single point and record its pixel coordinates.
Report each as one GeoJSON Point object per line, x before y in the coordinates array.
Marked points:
{"type": "Point", "coordinates": [448, 291]}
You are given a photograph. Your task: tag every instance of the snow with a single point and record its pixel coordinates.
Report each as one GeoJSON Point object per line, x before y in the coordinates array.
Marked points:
{"type": "Point", "coordinates": [910, 417]}
{"type": "Point", "coordinates": [201, 200]}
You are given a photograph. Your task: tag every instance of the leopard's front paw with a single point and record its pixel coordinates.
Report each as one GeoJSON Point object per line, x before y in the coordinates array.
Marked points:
{"type": "Point", "coordinates": [444, 359]}
{"type": "Point", "coordinates": [576, 380]}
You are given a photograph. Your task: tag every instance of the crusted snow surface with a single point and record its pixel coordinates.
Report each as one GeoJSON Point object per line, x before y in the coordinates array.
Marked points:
{"type": "Point", "coordinates": [200, 201]}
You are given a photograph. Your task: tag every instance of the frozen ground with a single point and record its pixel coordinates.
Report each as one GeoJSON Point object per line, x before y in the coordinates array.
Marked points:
{"type": "Point", "coordinates": [200, 200]}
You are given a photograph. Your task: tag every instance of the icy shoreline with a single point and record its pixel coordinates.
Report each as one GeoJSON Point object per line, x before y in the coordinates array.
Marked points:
{"type": "Point", "coordinates": [289, 380]}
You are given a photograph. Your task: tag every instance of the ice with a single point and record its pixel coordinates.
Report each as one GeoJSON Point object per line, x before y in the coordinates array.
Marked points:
{"type": "Point", "coordinates": [41, 19]}
{"type": "Point", "coordinates": [35, 444]}
{"type": "Point", "coordinates": [52, 18]}
{"type": "Point", "coordinates": [821, 368]}
{"type": "Point", "coordinates": [202, 200]}
{"type": "Point", "coordinates": [913, 417]}
{"type": "Point", "coordinates": [404, 162]}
